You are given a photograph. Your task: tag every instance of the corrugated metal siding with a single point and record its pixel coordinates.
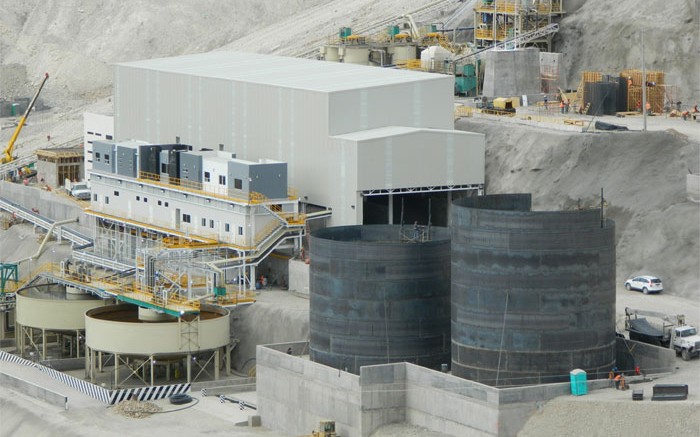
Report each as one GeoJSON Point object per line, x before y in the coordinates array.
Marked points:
{"type": "Point", "coordinates": [420, 159]}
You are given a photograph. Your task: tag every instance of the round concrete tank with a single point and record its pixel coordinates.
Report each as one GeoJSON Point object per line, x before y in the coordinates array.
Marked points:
{"type": "Point", "coordinates": [121, 329]}
{"type": "Point", "coordinates": [533, 292]}
{"type": "Point", "coordinates": [379, 296]}
{"type": "Point", "coordinates": [402, 53]}
{"type": "Point", "coordinates": [51, 308]}
{"type": "Point", "coordinates": [331, 53]}
{"type": "Point", "coordinates": [355, 55]}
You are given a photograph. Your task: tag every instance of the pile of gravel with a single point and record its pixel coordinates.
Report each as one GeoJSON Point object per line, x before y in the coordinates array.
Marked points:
{"type": "Point", "coordinates": [136, 409]}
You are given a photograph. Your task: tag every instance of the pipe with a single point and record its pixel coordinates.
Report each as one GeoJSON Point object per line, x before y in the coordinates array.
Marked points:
{"type": "Point", "coordinates": [46, 238]}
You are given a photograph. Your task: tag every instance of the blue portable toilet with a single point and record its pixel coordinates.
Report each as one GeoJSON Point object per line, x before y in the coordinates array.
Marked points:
{"type": "Point", "coordinates": [579, 386]}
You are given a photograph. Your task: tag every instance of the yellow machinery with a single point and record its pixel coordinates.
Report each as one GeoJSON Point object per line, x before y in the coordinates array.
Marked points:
{"type": "Point", "coordinates": [7, 153]}
{"type": "Point", "coordinates": [327, 429]}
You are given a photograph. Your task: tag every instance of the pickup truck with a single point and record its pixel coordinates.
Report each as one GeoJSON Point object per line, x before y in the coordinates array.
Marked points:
{"type": "Point", "coordinates": [80, 191]}
{"type": "Point", "coordinates": [686, 341]}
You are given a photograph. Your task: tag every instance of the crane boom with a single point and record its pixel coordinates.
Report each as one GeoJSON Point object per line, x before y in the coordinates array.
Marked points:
{"type": "Point", "coordinates": [7, 153]}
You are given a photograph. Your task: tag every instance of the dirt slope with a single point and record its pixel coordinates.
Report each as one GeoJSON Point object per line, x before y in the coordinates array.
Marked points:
{"type": "Point", "coordinates": [643, 175]}
{"type": "Point", "coordinates": [605, 36]}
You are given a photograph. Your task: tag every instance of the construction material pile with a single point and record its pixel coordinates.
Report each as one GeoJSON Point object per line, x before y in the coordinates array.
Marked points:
{"type": "Point", "coordinates": [136, 409]}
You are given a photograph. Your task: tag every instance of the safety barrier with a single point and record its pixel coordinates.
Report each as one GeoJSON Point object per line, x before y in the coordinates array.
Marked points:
{"type": "Point", "coordinates": [101, 394]}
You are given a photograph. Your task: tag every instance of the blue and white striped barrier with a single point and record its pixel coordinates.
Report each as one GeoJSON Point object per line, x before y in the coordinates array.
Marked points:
{"type": "Point", "coordinates": [150, 393]}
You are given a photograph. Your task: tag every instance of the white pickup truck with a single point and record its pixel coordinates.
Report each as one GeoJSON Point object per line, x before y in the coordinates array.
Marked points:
{"type": "Point", "coordinates": [686, 341]}
{"type": "Point", "coordinates": [80, 191]}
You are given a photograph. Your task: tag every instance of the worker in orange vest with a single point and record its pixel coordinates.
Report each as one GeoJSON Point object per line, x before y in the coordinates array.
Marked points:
{"type": "Point", "coordinates": [561, 106]}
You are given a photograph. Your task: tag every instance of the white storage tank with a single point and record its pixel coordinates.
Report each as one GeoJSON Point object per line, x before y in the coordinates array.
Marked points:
{"type": "Point", "coordinates": [330, 53]}
{"type": "Point", "coordinates": [402, 53]}
{"type": "Point", "coordinates": [355, 54]}
{"type": "Point", "coordinates": [433, 58]}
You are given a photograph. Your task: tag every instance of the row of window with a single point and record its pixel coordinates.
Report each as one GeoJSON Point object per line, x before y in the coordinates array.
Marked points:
{"type": "Point", "coordinates": [98, 157]}
{"type": "Point", "coordinates": [97, 134]}
{"type": "Point", "coordinates": [186, 218]}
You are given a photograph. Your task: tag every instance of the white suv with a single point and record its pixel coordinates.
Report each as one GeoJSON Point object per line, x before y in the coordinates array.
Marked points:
{"type": "Point", "coordinates": [646, 284]}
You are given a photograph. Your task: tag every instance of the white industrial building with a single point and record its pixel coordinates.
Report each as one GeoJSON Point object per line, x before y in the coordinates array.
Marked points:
{"type": "Point", "coordinates": [355, 138]}
{"type": "Point", "coordinates": [96, 127]}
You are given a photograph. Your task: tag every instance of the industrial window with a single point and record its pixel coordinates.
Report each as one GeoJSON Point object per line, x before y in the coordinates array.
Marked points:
{"type": "Point", "coordinates": [186, 218]}
{"type": "Point", "coordinates": [166, 204]}
{"type": "Point", "coordinates": [138, 198]}
{"type": "Point", "coordinates": [164, 168]}
{"type": "Point", "coordinates": [91, 133]}
{"type": "Point", "coordinates": [160, 203]}
{"type": "Point", "coordinates": [227, 227]}
{"type": "Point", "coordinates": [238, 184]}
{"type": "Point", "coordinates": [106, 158]}
{"type": "Point", "coordinates": [221, 147]}
{"type": "Point", "coordinates": [94, 197]}
{"type": "Point", "coordinates": [97, 156]}
{"type": "Point", "coordinates": [145, 199]}
{"type": "Point", "coordinates": [109, 137]}
{"type": "Point", "coordinates": [107, 200]}
{"type": "Point", "coordinates": [204, 222]}
{"type": "Point", "coordinates": [116, 193]}
{"type": "Point", "coordinates": [207, 176]}
{"type": "Point", "coordinates": [211, 224]}
{"type": "Point", "coordinates": [240, 230]}
{"type": "Point", "coordinates": [222, 179]}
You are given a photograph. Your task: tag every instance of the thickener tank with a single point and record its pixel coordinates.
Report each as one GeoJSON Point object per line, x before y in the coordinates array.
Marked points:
{"type": "Point", "coordinates": [533, 292]}
{"type": "Point", "coordinates": [380, 294]}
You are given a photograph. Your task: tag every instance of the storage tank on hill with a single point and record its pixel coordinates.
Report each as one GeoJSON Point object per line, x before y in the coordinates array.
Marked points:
{"type": "Point", "coordinates": [380, 294]}
{"type": "Point", "coordinates": [533, 292]}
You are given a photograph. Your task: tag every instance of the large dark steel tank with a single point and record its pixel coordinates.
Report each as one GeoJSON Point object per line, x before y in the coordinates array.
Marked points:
{"type": "Point", "coordinates": [533, 292]}
{"type": "Point", "coordinates": [377, 297]}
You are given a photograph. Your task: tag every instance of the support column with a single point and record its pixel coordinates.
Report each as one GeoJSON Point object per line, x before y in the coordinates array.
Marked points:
{"type": "Point", "coordinates": [99, 361]}
{"type": "Point", "coordinates": [92, 365]}
{"type": "Point", "coordinates": [167, 371]}
{"type": "Point", "coordinates": [153, 365]}
{"type": "Point", "coordinates": [116, 370]}
{"type": "Point", "coordinates": [77, 343]}
{"type": "Point", "coordinates": [449, 208]}
{"type": "Point", "coordinates": [391, 209]}
{"type": "Point", "coordinates": [217, 365]}
{"type": "Point", "coordinates": [229, 349]}
{"type": "Point", "coordinates": [43, 343]}
{"type": "Point", "coordinates": [189, 367]}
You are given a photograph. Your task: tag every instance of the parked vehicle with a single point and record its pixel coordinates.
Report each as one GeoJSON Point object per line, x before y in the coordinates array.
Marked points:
{"type": "Point", "coordinates": [645, 284]}
{"type": "Point", "coordinates": [80, 191]}
{"type": "Point", "coordinates": [672, 333]}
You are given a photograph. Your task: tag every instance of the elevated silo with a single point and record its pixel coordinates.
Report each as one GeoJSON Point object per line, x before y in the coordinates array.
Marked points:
{"type": "Point", "coordinates": [533, 292]}
{"type": "Point", "coordinates": [380, 294]}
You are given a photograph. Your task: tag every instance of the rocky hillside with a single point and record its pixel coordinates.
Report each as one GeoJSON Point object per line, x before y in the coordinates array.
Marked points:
{"type": "Point", "coordinates": [643, 175]}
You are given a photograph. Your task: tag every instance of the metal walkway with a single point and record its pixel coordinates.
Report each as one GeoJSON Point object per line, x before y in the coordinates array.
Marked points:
{"type": "Point", "coordinates": [61, 231]}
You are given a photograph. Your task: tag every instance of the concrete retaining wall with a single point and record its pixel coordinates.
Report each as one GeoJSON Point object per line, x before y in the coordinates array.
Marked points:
{"type": "Point", "coordinates": [298, 276]}
{"type": "Point", "coordinates": [692, 187]}
{"type": "Point", "coordinates": [34, 390]}
{"type": "Point", "coordinates": [294, 394]}
{"type": "Point", "coordinates": [649, 358]}
{"type": "Point", "coordinates": [49, 204]}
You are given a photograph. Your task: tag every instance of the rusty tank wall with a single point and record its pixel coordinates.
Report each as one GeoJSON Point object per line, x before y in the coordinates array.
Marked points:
{"type": "Point", "coordinates": [533, 292]}
{"type": "Point", "coordinates": [376, 299]}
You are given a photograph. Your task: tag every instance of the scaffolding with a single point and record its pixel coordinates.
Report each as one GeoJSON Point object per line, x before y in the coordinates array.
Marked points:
{"type": "Point", "coordinates": [496, 21]}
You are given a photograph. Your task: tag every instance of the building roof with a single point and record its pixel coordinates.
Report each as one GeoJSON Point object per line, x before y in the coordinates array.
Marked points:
{"type": "Point", "coordinates": [313, 75]}
{"type": "Point", "coordinates": [71, 152]}
{"type": "Point", "coordinates": [392, 131]}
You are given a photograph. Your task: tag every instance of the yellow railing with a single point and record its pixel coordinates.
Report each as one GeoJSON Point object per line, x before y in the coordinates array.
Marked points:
{"type": "Point", "coordinates": [199, 188]}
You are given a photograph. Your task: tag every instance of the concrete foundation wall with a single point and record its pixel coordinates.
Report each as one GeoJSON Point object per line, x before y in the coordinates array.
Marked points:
{"type": "Point", "coordinates": [512, 73]}
{"type": "Point", "coordinates": [298, 276]}
{"type": "Point", "coordinates": [34, 390]}
{"type": "Point", "coordinates": [649, 358]}
{"type": "Point", "coordinates": [692, 187]}
{"type": "Point", "coordinates": [49, 204]}
{"type": "Point", "coordinates": [294, 394]}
